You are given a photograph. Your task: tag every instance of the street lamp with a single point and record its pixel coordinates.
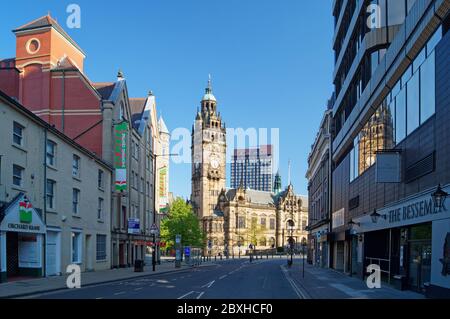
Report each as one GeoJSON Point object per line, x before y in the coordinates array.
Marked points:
{"type": "Point", "coordinates": [291, 228]}
{"type": "Point", "coordinates": [439, 197]}
{"type": "Point", "coordinates": [155, 209]}
{"type": "Point", "coordinates": [376, 216]}
{"type": "Point", "coordinates": [303, 250]}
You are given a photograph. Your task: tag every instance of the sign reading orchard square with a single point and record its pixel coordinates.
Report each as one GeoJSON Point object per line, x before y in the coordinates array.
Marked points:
{"type": "Point", "coordinates": [120, 151]}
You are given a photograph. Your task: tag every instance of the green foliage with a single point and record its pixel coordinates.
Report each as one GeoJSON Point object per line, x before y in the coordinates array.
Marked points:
{"type": "Point", "coordinates": [181, 220]}
{"type": "Point", "coordinates": [255, 232]}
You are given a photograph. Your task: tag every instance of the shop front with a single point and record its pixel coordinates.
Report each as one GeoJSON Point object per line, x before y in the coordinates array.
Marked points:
{"type": "Point", "coordinates": [22, 234]}
{"type": "Point", "coordinates": [410, 242]}
{"type": "Point", "coordinates": [319, 247]}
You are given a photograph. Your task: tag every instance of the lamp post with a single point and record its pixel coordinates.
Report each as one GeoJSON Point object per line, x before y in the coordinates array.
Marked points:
{"type": "Point", "coordinates": [291, 228]}
{"type": "Point", "coordinates": [155, 209]}
{"type": "Point", "coordinates": [303, 250]}
{"type": "Point", "coordinates": [439, 197]}
{"type": "Point", "coordinates": [376, 216]}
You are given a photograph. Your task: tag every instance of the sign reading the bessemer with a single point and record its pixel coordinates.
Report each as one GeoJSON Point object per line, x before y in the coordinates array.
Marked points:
{"type": "Point", "coordinates": [414, 210]}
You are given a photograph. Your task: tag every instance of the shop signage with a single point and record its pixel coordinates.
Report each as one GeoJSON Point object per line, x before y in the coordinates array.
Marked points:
{"type": "Point", "coordinates": [133, 226]}
{"type": "Point", "coordinates": [414, 210]}
{"type": "Point", "coordinates": [419, 209]}
{"type": "Point", "coordinates": [120, 151]}
{"type": "Point", "coordinates": [22, 217]}
{"type": "Point", "coordinates": [163, 198]}
{"type": "Point", "coordinates": [338, 218]}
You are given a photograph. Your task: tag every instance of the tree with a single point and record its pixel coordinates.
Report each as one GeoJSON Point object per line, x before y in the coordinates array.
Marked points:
{"type": "Point", "coordinates": [255, 232]}
{"type": "Point", "coordinates": [181, 220]}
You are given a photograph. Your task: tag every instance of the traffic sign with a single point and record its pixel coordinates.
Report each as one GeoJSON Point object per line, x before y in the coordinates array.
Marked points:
{"type": "Point", "coordinates": [187, 251]}
{"type": "Point", "coordinates": [154, 229]}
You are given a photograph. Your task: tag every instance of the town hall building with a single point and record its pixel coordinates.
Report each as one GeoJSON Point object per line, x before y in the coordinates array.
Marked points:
{"type": "Point", "coordinates": [238, 219]}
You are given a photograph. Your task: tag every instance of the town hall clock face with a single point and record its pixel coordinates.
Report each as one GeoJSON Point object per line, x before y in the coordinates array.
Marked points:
{"type": "Point", "coordinates": [215, 163]}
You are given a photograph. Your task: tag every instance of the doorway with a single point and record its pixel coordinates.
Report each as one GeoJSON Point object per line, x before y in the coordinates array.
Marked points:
{"type": "Point", "coordinates": [12, 254]}
{"type": "Point", "coordinates": [89, 253]}
{"type": "Point", "coordinates": [121, 255]}
{"type": "Point", "coordinates": [420, 257]}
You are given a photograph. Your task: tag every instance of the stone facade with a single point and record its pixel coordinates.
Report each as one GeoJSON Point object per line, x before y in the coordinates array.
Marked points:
{"type": "Point", "coordinates": [69, 196]}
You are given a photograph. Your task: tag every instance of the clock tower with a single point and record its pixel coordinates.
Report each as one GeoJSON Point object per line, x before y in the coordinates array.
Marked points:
{"type": "Point", "coordinates": [208, 156]}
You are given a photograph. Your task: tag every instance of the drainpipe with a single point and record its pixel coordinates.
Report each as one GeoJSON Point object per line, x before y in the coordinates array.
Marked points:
{"type": "Point", "coordinates": [44, 210]}
{"type": "Point", "coordinates": [63, 98]}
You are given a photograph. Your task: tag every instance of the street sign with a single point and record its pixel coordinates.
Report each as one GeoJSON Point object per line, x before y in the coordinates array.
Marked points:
{"type": "Point", "coordinates": [187, 251]}
{"type": "Point", "coordinates": [153, 229]}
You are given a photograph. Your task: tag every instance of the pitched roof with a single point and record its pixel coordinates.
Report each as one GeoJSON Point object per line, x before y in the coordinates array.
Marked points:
{"type": "Point", "coordinates": [137, 107]}
{"type": "Point", "coordinates": [47, 21]}
{"type": "Point", "coordinates": [162, 126]}
{"type": "Point", "coordinates": [255, 197]}
{"type": "Point", "coordinates": [105, 89]}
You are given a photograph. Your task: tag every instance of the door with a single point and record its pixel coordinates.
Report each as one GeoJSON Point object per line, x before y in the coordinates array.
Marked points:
{"type": "Point", "coordinates": [121, 255]}
{"type": "Point", "coordinates": [89, 253]}
{"type": "Point", "coordinates": [12, 253]}
{"type": "Point", "coordinates": [419, 265]}
{"type": "Point", "coordinates": [53, 256]}
{"type": "Point", "coordinates": [340, 255]}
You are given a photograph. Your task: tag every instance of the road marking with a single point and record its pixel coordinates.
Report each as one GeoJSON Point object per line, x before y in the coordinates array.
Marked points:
{"type": "Point", "coordinates": [137, 289]}
{"type": "Point", "coordinates": [201, 294]}
{"type": "Point", "coordinates": [99, 298]}
{"type": "Point", "coordinates": [120, 293]}
{"type": "Point", "coordinates": [294, 286]}
{"type": "Point", "coordinates": [209, 284]}
{"type": "Point", "coordinates": [224, 276]}
{"type": "Point", "coordinates": [191, 292]}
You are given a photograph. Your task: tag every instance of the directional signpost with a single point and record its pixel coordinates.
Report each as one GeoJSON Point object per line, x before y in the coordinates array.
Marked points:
{"type": "Point", "coordinates": [154, 230]}
{"type": "Point", "coordinates": [178, 251]}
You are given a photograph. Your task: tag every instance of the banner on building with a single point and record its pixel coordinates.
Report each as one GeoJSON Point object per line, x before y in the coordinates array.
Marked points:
{"type": "Point", "coordinates": [120, 151]}
{"type": "Point", "coordinates": [163, 191]}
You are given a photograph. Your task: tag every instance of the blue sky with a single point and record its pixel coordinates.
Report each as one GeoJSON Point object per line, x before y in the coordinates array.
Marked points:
{"type": "Point", "coordinates": [271, 61]}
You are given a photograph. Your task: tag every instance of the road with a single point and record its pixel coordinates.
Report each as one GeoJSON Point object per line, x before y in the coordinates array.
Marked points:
{"type": "Point", "coordinates": [232, 279]}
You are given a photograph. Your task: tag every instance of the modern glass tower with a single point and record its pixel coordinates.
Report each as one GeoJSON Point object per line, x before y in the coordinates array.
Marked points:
{"type": "Point", "coordinates": [252, 168]}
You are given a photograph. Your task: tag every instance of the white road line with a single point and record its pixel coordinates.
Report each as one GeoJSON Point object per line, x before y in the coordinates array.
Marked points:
{"type": "Point", "coordinates": [294, 286]}
{"type": "Point", "coordinates": [99, 298]}
{"type": "Point", "coordinates": [191, 292]}
{"type": "Point", "coordinates": [137, 289]}
{"type": "Point", "coordinates": [201, 294]}
{"type": "Point", "coordinates": [209, 284]}
{"type": "Point", "coordinates": [224, 276]}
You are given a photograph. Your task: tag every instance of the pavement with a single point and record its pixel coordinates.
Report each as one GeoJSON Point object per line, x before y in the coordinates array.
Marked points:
{"type": "Point", "coordinates": [234, 279]}
{"type": "Point", "coordinates": [319, 283]}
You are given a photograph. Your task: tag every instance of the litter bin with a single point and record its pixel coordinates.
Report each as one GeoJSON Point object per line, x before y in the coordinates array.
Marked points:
{"type": "Point", "coordinates": [138, 265]}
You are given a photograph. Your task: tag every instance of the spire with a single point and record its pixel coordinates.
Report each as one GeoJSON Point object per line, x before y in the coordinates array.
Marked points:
{"type": "Point", "coordinates": [277, 187]}
{"type": "Point", "coordinates": [289, 173]}
{"type": "Point", "coordinates": [119, 75]}
{"type": "Point", "coordinates": [209, 96]}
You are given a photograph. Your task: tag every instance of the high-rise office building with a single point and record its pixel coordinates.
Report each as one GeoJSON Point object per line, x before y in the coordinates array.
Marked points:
{"type": "Point", "coordinates": [252, 168]}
